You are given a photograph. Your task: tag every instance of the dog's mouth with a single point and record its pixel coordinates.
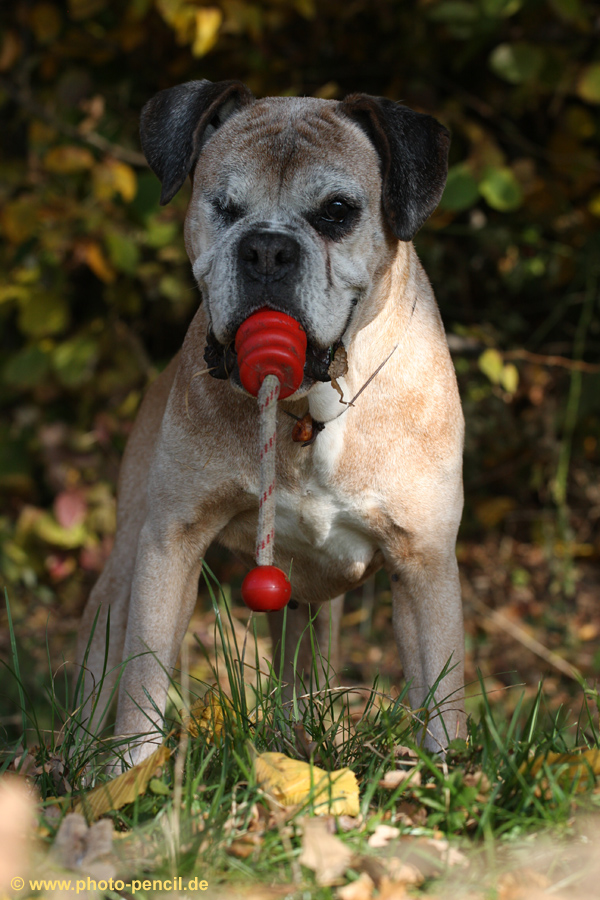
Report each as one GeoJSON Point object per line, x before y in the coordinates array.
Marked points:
{"type": "Point", "coordinates": [221, 361]}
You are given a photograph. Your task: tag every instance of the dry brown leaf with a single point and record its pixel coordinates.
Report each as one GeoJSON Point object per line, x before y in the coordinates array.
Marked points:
{"type": "Point", "coordinates": [382, 835]}
{"type": "Point", "coordinates": [207, 715]}
{"type": "Point", "coordinates": [361, 889]}
{"type": "Point", "coordinates": [392, 890]}
{"type": "Point", "coordinates": [17, 822]}
{"type": "Point", "coordinates": [325, 854]}
{"type": "Point", "coordinates": [338, 368]}
{"type": "Point", "coordinates": [123, 789]}
{"type": "Point", "coordinates": [291, 782]}
{"type": "Point", "coordinates": [405, 872]}
{"type": "Point", "coordinates": [395, 777]}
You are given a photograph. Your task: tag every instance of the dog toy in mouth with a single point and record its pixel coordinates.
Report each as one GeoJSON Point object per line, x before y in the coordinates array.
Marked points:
{"type": "Point", "coordinates": [271, 352]}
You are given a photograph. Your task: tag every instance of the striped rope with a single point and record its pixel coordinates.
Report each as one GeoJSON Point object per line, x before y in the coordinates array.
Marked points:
{"type": "Point", "coordinates": [267, 401]}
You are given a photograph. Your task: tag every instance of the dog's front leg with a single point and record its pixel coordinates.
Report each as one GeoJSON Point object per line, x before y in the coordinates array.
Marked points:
{"type": "Point", "coordinates": [164, 593]}
{"type": "Point", "coordinates": [428, 627]}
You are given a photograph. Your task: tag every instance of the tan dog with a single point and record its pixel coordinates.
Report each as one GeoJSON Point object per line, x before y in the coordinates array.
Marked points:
{"type": "Point", "coordinates": [308, 207]}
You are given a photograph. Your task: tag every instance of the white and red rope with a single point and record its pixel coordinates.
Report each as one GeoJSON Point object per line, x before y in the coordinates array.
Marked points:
{"type": "Point", "coordinates": [267, 401]}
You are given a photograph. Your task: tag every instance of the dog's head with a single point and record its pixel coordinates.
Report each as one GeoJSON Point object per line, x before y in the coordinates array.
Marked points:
{"type": "Point", "coordinates": [297, 203]}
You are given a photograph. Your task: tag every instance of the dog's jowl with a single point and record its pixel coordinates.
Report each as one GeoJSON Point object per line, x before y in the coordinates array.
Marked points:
{"type": "Point", "coordinates": [307, 207]}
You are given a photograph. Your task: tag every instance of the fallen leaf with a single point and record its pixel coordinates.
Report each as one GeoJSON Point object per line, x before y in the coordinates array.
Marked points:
{"type": "Point", "coordinates": [403, 872]}
{"type": "Point", "coordinates": [207, 715]}
{"type": "Point", "coordinates": [325, 854]}
{"type": "Point", "coordinates": [396, 777]}
{"type": "Point", "coordinates": [361, 889]}
{"type": "Point", "coordinates": [392, 890]}
{"type": "Point", "coordinates": [337, 368]}
{"type": "Point", "coordinates": [579, 764]}
{"type": "Point", "coordinates": [121, 790]}
{"type": "Point", "coordinates": [382, 835]}
{"type": "Point", "coordinates": [290, 782]}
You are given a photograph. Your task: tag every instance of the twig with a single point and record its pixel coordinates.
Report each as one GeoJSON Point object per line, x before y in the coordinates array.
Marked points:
{"type": "Point", "coordinates": [575, 365]}
{"type": "Point", "coordinates": [24, 99]}
{"type": "Point", "coordinates": [526, 639]}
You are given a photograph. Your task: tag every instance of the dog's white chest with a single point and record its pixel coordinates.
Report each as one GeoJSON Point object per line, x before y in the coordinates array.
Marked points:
{"type": "Point", "coordinates": [319, 515]}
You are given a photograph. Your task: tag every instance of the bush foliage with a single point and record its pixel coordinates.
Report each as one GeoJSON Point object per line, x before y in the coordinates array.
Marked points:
{"type": "Point", "coordinates": [95, 287]}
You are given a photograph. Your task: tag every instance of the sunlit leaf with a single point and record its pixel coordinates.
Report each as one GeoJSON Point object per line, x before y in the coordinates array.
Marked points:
{"type": "Point", "coordinates": [208, 715]}
{"type": "Point", "coordinates": [517, 63]}
{"type": "Point", "coordinates": [208, 22]}
{"type": "Point", "coordinates": [491, 364]}
{"type": "Point", "coordinates": [123, 789]}
{"type": "Point", "coordinates": [290, 782]}
{"type": "Point", "coordinates": [114, 177]}
{"type": "Point", "coordinates": [500, 189]}
{"type": "Point", "coordinates": [588, 85]}
{"type": "Point", "coordinates": [91, 253]}
{"type": "Point", "coordinates": [509, 379]}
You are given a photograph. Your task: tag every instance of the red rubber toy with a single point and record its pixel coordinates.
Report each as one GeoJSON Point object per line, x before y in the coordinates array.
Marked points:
{"type": "Point", "coordinates": [266, 589]}
{"type": "Point", "coordinates": [271, 343]}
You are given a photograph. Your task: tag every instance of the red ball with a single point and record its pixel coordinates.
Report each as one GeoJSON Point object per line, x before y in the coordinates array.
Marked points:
{"type": "Point", "coordinates": [266, 589]}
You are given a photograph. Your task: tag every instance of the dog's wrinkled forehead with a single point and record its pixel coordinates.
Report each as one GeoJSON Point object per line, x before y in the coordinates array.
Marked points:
{"type": "Point", "coordinates": [289, 147]}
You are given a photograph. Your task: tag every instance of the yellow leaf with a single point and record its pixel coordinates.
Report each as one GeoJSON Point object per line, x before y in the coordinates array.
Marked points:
{"type": "Point", "coordinates": [123, 789]}
{"type": "Point", "coordinates": [509, 379]}
{"type": "Point", "coordinates": [578, 764]}
{"type": "Point", "coordinates": [207, 715]}
{"type": "Point", "coordinates": [114, 177]}
{"type": "Point", "coordinates": [490, 363]}
{"type": "Point", "coordinates": [68, 159]}
{"type": "Point", "coordinates": [208, 22]}
{"type": "Point", "coordinates": [594, 205]}
{"type": "Point", "coordinates": [290, 782]}
{"type": "Point", "coordinates": [92, 254]}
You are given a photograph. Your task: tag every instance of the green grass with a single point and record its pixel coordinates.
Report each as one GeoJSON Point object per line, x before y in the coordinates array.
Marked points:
{"type": "Point", "coordinates": [485, 794]}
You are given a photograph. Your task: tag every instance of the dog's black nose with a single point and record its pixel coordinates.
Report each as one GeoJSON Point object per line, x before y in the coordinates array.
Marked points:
{"type": "Point", "coordinates": [268, 256]}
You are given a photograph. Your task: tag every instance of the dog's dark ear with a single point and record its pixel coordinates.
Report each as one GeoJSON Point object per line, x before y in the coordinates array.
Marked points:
{"type": "Point", "coordinates": [176, 122]}
{"type": "Point", "coordinates": [413, 149]}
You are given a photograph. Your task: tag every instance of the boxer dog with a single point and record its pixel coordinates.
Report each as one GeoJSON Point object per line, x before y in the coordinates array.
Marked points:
{"type": "Point", "coordinates": [307, 207]}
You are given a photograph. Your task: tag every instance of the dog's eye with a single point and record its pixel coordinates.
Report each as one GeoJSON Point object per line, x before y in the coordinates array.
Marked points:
{"type": "Point", "coordinates": [335, 211]}
{"type": "Point", "coordinates": [229, 211]}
